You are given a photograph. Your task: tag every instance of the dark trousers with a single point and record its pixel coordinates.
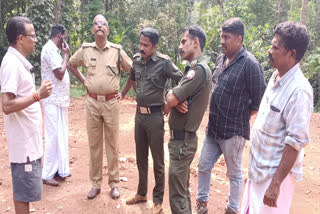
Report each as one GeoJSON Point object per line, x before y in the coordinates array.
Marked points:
{"type": "Point", "coordinates": [182, 153]}
{"type": "Point", "coordinates": [149, 132]}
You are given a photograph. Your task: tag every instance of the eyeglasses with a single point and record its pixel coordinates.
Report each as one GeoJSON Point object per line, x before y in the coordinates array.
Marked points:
{"type": "Point", "coordinates": [33, 36]}
{"type": "Point", "coordinates": [101, 23]}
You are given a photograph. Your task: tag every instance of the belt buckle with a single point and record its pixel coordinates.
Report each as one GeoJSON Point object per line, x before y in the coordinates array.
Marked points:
{"type": "Point", "coordinates": [101, 98]}
{"type": "Point", "coordinates": [144, 110]}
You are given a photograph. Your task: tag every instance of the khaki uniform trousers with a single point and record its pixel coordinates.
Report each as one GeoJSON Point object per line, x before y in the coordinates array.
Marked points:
{"type": "Point", "coordinates": [103, 118]}
{"type": "Point", "coordinates": [181, 153]}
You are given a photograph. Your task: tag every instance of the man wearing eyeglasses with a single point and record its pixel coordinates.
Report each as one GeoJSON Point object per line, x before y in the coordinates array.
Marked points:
{"type": "Point", "coordinates": [54, 68]}
{"type": "Point", "coordinates": [102, 60]}
{"type": "Point", "coordinates": [22, 113]}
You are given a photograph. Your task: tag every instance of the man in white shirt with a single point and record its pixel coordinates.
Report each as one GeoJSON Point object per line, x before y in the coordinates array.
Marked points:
{"type": "Point", "coordinates": [22, 113]}
{"type": "Point", "coordinates": [281, 129]}
{"type": "Point", "coordinates": [54, 68]}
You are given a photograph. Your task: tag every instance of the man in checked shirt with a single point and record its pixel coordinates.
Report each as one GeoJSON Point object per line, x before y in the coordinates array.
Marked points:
{"type": "Point", "coordinates": [238, 86]}
{"type": "Point", "coordinates": [281, 129]}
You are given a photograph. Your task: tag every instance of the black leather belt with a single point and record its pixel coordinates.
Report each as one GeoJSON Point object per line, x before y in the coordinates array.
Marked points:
{"type": "Point", "coordinates": [148, 110]}
{"type": "Point", "coordinates": [181, 135]}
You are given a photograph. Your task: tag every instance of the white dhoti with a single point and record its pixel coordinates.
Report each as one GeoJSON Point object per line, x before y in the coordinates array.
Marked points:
{"type": "Point", "coordinates": [56, 155]}
{"type": "Point", "coordinates": [252, 201]}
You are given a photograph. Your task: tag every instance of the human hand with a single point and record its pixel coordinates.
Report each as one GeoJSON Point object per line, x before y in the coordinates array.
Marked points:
{"type": "Point", "coordinates": [182, 107]}
{"type": "Point", "coordinates": [166, 109]}
{"type": "Point", "coordinates": [119, 96]}
{"type": "Point", "coordinates": [65, 48]}
{"type": "Point", "coordinates": [271, 195]}
{"type": "Point", "coordinates": [45, 89]}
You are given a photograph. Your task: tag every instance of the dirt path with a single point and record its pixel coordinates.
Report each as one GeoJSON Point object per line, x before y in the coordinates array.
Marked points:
{"type": "Point", "coordinates": [70, 197]}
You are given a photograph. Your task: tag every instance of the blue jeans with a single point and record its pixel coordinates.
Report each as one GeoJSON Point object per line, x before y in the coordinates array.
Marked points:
{"type": "Point", "coordinates": [232, 149]}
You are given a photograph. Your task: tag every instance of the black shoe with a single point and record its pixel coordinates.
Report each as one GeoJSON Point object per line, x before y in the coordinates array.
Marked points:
{"type": "Point", "coordinates": [93, 193]}
{"type": "Point", "coordinates": [115, 194]}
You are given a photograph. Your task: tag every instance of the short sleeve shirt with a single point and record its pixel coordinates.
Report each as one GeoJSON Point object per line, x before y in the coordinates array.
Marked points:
{"type": "Point", "coordinates": [23, 128]}
{"type": "Point", "coordinates": [153, 77]}
{"type": "Point", "coordinates": [50, 60]}
{"type": "Point", "coordinates": [103, 75]}
{"type": "Point", "coordinates": [195, 87]}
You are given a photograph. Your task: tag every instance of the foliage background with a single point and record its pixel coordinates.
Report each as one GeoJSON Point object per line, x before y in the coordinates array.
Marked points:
{"type": "Point", "coordinates": [127, 17]}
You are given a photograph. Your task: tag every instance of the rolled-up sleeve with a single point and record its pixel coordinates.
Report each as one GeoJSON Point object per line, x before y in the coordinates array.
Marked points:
{"type": "Point", "coordinates": [297, 115]}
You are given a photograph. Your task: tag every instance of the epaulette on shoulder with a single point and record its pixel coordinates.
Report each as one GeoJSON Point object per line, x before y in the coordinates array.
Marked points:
{"type": "Point", "coordinates": [163, 56]}
{"type": "Point", "coordinates": [87, 44]}
{"type": "Point", "coordinates": [136, 55]}
{"type": "Point", "coordinates": [115, 45]}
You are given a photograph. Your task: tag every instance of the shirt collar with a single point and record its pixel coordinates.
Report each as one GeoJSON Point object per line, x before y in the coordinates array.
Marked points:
{"type": "Point", "coordinates": [24, 61]}
{"type": "Point", "coordinates": [287, 75]}
{"type": "Point", "coordinates": [54, 46]}
{"type": "Point", "coordinates": [107, 45]}
{"type": "Point", "coordinates": [242, 52]}
{"type": "Point", "coordinates": [197, 60]}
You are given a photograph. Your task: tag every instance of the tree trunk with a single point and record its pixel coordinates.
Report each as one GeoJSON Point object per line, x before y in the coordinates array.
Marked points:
{"type": "Point", "coordinates": [303, 16]}
{"type": "Point", "coordinates": [58, 11]}
{"type": "Point", "coordinates": [281, 12]}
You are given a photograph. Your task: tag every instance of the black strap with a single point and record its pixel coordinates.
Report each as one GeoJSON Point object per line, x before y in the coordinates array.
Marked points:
{"type": "Point", "coordinates": [191, 98]}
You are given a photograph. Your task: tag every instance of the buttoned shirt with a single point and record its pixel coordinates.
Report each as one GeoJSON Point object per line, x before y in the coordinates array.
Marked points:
{"type": "Point", "coordinates": [152, 78]}
{"type": "Point", "coordinates": [103, 75]}
{"type": "Point", "coordinates": [50, 60]}
{"type": "Point", "coordinates": [23, 128]}
{"type": "Point", "coordinates": [195, 87]}
{"type": "Point", "coordinates": [236, 92]}
{"type": "Point", "coordinates": [283, 119]}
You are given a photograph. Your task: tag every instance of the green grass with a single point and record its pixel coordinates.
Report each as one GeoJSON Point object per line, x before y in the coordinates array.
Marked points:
{"type": "Point", "coordinates": [77, 91]}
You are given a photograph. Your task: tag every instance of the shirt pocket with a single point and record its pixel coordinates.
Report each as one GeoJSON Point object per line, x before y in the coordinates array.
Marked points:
{"type": "Point", "coordinates": [273, 119]}
{"type": "Point", "coordinates": [91, 67]}
{"type": "Point", "coordinates": [112, 70]}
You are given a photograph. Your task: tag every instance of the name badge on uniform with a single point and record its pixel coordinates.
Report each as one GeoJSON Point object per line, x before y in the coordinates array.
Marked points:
{"type": "Point", "coordinates": [93, 59]}
{"type": "Point", "coordinates": [28, 168]}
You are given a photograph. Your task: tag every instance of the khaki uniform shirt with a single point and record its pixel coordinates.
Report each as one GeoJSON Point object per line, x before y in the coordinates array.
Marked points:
{"type": "Point", "coordinates": [152, 78]}
{"type": "Point", "coordinates": [103, 76]}
{"type": "Point", "coordinates": [196, 85]}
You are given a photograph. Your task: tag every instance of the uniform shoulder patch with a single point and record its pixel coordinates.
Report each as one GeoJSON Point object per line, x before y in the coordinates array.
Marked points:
{"type": "Point", "coordinates": [191, 74]}
{"type": "Point", "coordinates": [87, 44]}
{"type": "Point", "coordinates": [115, 45]}
{"type": "Point", "coordinates": [163, 56]}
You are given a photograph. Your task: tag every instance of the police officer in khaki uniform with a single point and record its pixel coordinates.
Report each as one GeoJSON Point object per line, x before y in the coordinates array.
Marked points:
{"type": "Point", "coordinates": [102, 60]}
{"type": "Point", "coordinates": [151, 70]}
{"type": "Point", "coordinates": [188, 102]}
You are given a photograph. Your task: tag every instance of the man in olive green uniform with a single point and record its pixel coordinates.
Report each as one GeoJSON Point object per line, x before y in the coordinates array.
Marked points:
{"type": "Point", "coordinates": [188, 102]}
{"type": "Point", "coordinates": [151, 70]}
{"type": "Point", "coordinates": [102, 60]}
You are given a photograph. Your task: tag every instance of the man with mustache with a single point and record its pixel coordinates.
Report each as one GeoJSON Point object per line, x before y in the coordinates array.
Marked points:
{"type": "Point", "coordinates": [281, 129]}
{"type": "Point", "coordinates": [194, 88]}
{"type": "Point", "coordinates": [22, 113]}
{"type": "Point", "coordinates": [150, 73]}
{"type": "Point", "coordinates": [102, 60]}
{"type": "Point", "coordinates": [238, 86]}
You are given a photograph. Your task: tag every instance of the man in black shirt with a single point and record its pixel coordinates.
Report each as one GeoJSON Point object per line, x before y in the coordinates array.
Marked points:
{"type": "Point", "coordinates": [238, 86]}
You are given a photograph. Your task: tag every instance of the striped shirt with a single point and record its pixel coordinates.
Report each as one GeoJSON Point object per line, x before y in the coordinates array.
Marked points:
{"type": "Point", "coordinates": [283, 119]}
{"type": "Point", "coordinates": [237, 90]}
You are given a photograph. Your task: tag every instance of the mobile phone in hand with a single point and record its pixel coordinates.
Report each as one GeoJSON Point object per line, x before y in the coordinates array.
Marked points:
{"type": "Point", "coordinates": [64, 43]}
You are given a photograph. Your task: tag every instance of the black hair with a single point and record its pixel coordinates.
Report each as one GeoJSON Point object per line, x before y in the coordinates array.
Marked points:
{"type": "Point", "coordinates": [15, 27]}
{"type": "Point", "coordinates": [234, 26]}
{"type": "Point", "coordinates": [56, 29]}
{"type": "Point", "coordinates": [196, 31]}
{"type": "Point", "coordinates": [151, 33]}
{"type": "Point", "coordinates": [294, 36]}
